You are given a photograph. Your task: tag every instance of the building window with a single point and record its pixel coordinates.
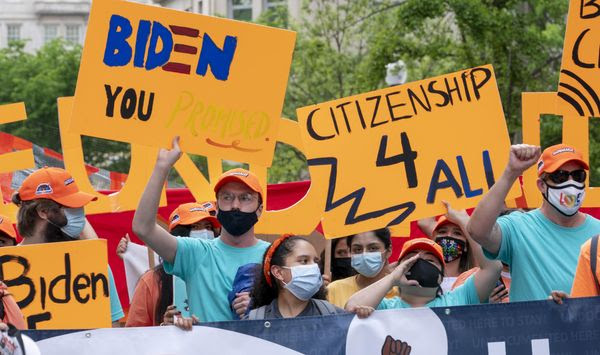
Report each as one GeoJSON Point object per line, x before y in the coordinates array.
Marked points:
{"type": "Point", "coordinates": [242, 10]}
{"type": "Point", "coordinates": [50, 32]}
{"type": "Point", "coordinates": [73, 34]}
{"type": "Point", "coordinates": [273, 3]}
{"type": "Point", "coordinates": [13, 32]}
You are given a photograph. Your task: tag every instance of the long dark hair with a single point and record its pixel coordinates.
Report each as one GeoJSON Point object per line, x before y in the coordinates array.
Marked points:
{"type": "Point", "coordinates": [262, 293]}
{"type": "Point", "coordinates": [165, 281]}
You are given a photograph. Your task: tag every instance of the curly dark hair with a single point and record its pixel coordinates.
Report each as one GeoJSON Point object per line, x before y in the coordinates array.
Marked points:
{"type": "Point", "coordinates": [262, 294]}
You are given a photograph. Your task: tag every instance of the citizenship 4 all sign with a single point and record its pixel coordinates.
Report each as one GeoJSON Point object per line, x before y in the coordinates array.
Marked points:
{"type": "Point", "coordinates": [393, 154]}
{"type": "Point", "coordinates": [149, 73]}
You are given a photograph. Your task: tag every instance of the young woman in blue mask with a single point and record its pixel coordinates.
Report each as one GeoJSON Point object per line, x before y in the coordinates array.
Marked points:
{"type": "Point", "coordinates": [419, 275]}
{"type": "Point", "coordinates": [290, 284]}
{"type": "Point", "coordinates": [370, 252]}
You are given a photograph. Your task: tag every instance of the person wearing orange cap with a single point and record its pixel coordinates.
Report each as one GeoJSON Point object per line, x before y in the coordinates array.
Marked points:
{"type": "Point", "coordinates": [208, 267]}
{"type": "Point", "coordinates": [51, 210]}
{"type": "Point", "coordinates": [540, 246]}
{"type": "Point", "coordinates": [8, 237]}
{"type": "Point", "coordinates": [154, 291]}
{"type": "Point", "coordinates": [419, 274]}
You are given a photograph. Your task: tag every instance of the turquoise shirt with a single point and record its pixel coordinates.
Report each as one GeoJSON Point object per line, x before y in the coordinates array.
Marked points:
{"type": "Point", "coordinates": [208, 268]}
{"type": "Point", "coordinates": [464, 294]}
{"type": "Point", "coordinates": [542, 256]}
{"type": "Point", "coordinates": [116, 311]}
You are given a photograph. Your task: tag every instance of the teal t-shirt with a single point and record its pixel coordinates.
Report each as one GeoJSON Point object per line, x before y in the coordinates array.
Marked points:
{"type": "Point", "coordinates": [464, 294]}
{"type": "Point", "coordinates": [116, 311]}
{"type": "Point", "coordinates": [208, 268]}
{"type": "Point", "coordinates": [542, 255]}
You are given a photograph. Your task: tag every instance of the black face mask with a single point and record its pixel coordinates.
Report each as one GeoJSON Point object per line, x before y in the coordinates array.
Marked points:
{"type": "Point", "coordinates": [237, 222]}
{"type": "Point", "coordinates": [341, 268]}
{"type": "Point", "coordinates": [425, 273]}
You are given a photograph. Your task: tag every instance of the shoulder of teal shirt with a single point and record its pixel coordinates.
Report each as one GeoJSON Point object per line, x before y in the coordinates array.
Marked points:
{"type": "Point", "coordinates": [465, 294]}
{"type": "Point", "coordinates": [392, 303]}
{"type": "Point", "coordinates": [116, 311]}
{"type": "Point", "coordinates": [188, 251]}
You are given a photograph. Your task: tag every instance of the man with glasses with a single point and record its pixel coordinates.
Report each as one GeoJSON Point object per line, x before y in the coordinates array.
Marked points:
{"type": "Point", "coordinates": [541, 246]}
{"type": "Point", "coordinates": [208, 267]}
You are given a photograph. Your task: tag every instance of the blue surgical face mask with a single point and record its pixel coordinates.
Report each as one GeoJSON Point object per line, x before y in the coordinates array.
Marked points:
{"type": "Point", "coordinates": [75, 222]}
{"type": "Point", "coordinates": [204, 234]}
{"type": "Point", "coordinates": [306, 281]}
{"type": "Point", "coordinates": [368, 264]}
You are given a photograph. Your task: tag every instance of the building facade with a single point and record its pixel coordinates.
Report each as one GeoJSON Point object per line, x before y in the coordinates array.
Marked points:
{"type": "Point", "coordinates": [39, 21]}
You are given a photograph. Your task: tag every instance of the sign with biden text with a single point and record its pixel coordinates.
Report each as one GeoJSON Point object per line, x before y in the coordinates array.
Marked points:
{"type": "Point", "coordinates": [394, 154]}
{"type": "Point", "coordinates": [59, 285]}
{"type": "Point", "coordinates": [149, 73]}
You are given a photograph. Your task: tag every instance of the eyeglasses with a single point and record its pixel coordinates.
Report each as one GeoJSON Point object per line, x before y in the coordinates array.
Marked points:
{"type": "Point", "coordinates": [560, 176]}
{"type": "Point", "coordinates": [228, 198]}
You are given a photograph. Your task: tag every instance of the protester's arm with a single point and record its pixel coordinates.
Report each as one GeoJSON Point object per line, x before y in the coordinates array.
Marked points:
{"type": "Point", "coordinates": [489, 271]}
{"type": "Point", "coordinates": [558, 296]}
{"type": "Point", "coordinates": [122, 246]}
{"type": "Point", "coordinates": [426, 225]}
{"type": "Point", "coordinates": [372, 295]}
{"type": "Point", "coordinates": [144, 220]}
{"type": "Point", "coordinates": [482, 226]}
{"type": "Point", "coordinates": [584, 284]}
{"type": "Point", "coordinates": [88, 231]}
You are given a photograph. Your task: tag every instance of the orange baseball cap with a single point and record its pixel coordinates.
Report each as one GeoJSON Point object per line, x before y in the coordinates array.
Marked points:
{"type": "Point", "coordinates": [555, 156]}
{"type": "Point", "coordinates": [190, 213]}
{"type": "Point", "coordinates": [240, 175]}
{"type": "Point", "coordinates": [444, 220]}
{"type": "Point", "coordinates": [210, 207]}
{"type": "Point", "coordinates": [55, 184]}
{"type": "Point", "coordinates": [6, 226]}
{"type": "Point", "coordinates": [422, 244]}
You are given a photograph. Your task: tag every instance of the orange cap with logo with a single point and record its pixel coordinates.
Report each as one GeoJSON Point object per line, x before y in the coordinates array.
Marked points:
{"type": "Point", "coordinates": [555, 156]}
{"type": "Point", "coordinates": [190, 213]}
{"type": "Point", "coordinates": [6, 226]}
{"type": "Point", "coordinates": [444, 220]}
{"type": "Point", "coordinates": [240, 175]}
{"type": "Point", "coordinates": [425, 244]}
{"type": "Point", "coordinates": [55, 184]}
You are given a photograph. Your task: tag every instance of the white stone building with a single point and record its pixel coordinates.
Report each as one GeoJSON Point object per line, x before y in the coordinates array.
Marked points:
{"type": "Point", "coordinates": [40, 21]}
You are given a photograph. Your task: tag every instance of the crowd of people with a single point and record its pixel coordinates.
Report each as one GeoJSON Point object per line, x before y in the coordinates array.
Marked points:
{"type": "Point", "coordinates": [493, 255]}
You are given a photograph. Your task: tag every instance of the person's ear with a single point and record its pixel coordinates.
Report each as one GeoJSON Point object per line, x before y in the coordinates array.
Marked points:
{"type": "Point", "coordinates": [42, 212]}
{"type": "Point", "coordinates": [277, 273]}
{"type": "Point", "coordinates": [259, 210]}
{"type": "Point", "coordinates": [541, 185]}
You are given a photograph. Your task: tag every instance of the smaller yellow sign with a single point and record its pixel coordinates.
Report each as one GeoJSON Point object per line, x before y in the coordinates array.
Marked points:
{"type": "Point", "coordinates": [579, 82]}
{"type": "Point", "coordinates": [148, 74]}
{"type": "Point", "coordinates": [59, 285]}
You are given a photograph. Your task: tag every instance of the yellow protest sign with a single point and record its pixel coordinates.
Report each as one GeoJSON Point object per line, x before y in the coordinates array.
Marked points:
{"type": "Point", "coordinates": [22, 159]}
{"type": "Point", "coordinates": [579, 82]}
{"type": "Point", "coordinates": [149, 73]}
{"type": "Point", "coordinates": [575, 131]}
{"type": "Point", "coordinates": [393, 154]}
{"type": "Point", "coordinates": [59, 285]}
{"type": "Point", "coordinates": [142, 163]}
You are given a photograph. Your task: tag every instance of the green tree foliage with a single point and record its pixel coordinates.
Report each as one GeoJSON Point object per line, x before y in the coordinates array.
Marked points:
{"type": "Point", "coordinates": [342, 49]}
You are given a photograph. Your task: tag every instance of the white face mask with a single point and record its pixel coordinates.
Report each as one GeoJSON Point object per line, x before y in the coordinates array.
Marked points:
{"type": "Point", "coordinates": [567, 197]}
{"type": "Point", "coordinates": [202, 234]}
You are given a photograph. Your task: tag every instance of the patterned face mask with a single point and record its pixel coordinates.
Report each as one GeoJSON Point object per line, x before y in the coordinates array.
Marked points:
{"type": "Point", "coordinates": [453, 248]}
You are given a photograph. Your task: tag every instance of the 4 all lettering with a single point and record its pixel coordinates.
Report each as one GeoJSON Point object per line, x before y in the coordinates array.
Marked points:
{"type": "Point", "coordinates": [57, 290]}
{"type": "Point", "coordinates": [146, 54]}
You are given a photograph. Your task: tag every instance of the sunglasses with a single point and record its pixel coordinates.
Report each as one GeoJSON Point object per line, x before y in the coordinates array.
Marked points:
{"type": "Point", "coordinates": [560, 176]}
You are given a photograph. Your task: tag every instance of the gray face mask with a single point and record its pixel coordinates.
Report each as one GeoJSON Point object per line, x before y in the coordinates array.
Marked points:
{"type": "Point", "coordinates": [75, 222]}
